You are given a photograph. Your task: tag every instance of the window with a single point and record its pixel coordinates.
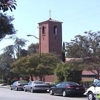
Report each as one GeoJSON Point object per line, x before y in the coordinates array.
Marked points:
{"type": "Point", "coordinates": [29, 83]}
{"type": "Point", "coordinates": [98, 83]}
{"type": "Point", "coordinates": [59, 84]}
{"type": "Point", "coordinates": [40, 82]}
{"type": "Point", "coordinates": [43, 30]}
{"type": "Point", "coordinates": [55, 29]}
{"type": "Point", "coordinates": [64, 84]}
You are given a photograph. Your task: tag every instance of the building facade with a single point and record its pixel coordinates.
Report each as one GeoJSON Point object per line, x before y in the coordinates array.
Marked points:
{"type": "Point", "coordinates": [50, 37]}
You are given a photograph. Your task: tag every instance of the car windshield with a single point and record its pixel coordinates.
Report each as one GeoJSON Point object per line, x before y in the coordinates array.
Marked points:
{"type": "Point", "coordinates": [39, 82]}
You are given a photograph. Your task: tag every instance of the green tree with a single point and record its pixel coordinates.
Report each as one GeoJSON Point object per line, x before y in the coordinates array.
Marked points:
{"type": "Point", "coordinates": [16, 49]}
{"type": "Point", "coordinates": [18, 44]}
{"type": "Point", "coordinates": [5, 5]}
{"type": "Point", "coordinates": [68, 72]}
{"type": "Point", "coordinates": [32, 66]}
{"type": "Point", "coordinates": [9, 50]}
{"type": "Point", "coordinates": [33, 48]}
{"type": "Point", "coordinates": [48, 62]}
{"type": "Point", "coordinates": [73, 71]}
{"type": "Point", "coordinates": [63, 52]}
{"type": "Point", "coordinates": [23, 53]}
{"type": "Point", "coordinates": [86, 47]}
{"type": "Point", "coordinates": [5, 63]}
{"type": "Point", "coordinates": [26, 65]}
{"type": "Point", "coordinates": [6, 26]}
{"type": "Point", "coordinates": [60, 72]}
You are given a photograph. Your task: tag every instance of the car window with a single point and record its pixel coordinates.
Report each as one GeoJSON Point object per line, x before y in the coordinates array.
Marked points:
{"type": "Point", "coordinates": [29, 83]}
{"type": "Point", "coordinates": [63, 84]}
{"type": "Point", "coordinates": [14, 83]}
{"type": "Point", "coordinates": [40, 82]}
{"type": "Point", "coordinates": [73, 83]}
{"type": "Point", "coordinates": [23, 82]}
{"type": "Point", "coordinates": [59, 84]}
{"type": "Point", "coordinates": [98, 84]}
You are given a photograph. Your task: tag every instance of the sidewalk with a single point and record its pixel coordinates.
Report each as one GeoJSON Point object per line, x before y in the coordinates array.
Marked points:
{"type": "Point", "coordinates": [4, 86]}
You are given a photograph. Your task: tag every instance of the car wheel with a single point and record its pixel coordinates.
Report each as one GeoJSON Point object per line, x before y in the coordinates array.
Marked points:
{"type": "Point", "coordinates": [16, 89]}
{"type": "Point", "coordinates": [25, 90]}
{"type": "Point", "coordinates": [10, 88]}
{"type": "Point", "coordinates": [64, 93]}
{"type": "Point", "coordinates": [90, 96]}
{"type": "Point", "coordinates": [51, 92]}
{"type": "Point", "coordinates": [31, 90]}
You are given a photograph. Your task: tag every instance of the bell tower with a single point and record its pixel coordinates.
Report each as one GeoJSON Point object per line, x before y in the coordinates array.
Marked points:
{"type": "Point", "coordinates": [50, 37]}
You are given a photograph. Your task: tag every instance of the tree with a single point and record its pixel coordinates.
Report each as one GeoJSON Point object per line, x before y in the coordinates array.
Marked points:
{"type": "Point", "coordinates": [18, 44]}
{"type": "Point", "coordinates": [23, 53]}
{"type": "Point", "coordinates": [9, 50]}
{"type": "Point", "coordinates": [73, 71]}
{"type": "Point", "coordinates": [32, 66]}
{"type": "Point", "coordinates": [63, 52]}
{"type": "Point", "coordinates": [5, 5]}
{"type": "Point", "coordinates": [48, 62]}
{"type": "Point", "coordinates": [60, 72]}
{"type": "Point", "coordinates": [5, 63]}
{"type": "Point", "coordinates": [33, 48]}
{"type": "Point", "coordinates": [6, 27]}
{"type": "Point", "coordinates": [68, 72]}
{"type": "Point", "coordinates": [16, 48]}
{"type": "Point", "coordinates": [86, 47]}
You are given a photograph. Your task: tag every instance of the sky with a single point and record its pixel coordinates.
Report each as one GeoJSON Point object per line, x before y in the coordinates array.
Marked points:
{"type": "Point", "coordinates": [77, 16]}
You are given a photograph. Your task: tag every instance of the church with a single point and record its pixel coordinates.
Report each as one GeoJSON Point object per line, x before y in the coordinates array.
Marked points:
{"type": "Point", "coordinates": [50, 41]}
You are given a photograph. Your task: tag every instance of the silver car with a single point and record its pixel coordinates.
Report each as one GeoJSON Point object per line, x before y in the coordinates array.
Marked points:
{"type": "Point", "coordinates": [33, 86]}
{"type": "Point", "coordinates": [18, 85]}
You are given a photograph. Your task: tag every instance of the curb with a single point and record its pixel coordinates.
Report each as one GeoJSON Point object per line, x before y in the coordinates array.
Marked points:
{"type": "Point", "coordinates": [4, 86]}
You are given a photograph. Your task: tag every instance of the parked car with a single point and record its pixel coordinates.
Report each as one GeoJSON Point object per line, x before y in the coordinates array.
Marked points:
{"type": "Point", "coordinates": [36, 86]}
{"type": "Point", "coordinates": [18, 85]}
{"type": "Point", "coordinates": [67, 89]}
{"type": "Point", "coordinates": [93, 91]}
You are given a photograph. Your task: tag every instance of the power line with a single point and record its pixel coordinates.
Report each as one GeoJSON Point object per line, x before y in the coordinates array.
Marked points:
{"type": "Point", "coordinates": [81, 12]}
{"type": "Point", "coordinates": [84, 18]}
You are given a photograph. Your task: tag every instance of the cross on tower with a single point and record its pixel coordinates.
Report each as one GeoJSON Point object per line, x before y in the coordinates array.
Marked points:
{"type": "Point", "coordinates": [49, 14]}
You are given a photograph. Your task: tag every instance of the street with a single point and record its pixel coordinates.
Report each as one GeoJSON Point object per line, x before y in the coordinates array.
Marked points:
{"type": "Point", "coordinates": [7, 94]}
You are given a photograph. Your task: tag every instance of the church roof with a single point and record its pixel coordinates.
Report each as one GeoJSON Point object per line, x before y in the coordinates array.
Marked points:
{"type": "Point", "coordinates": [50, 20]}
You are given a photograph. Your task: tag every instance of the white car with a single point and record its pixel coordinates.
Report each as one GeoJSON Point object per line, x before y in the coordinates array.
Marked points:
{"type": "Point", "coordinates": [93, 91]}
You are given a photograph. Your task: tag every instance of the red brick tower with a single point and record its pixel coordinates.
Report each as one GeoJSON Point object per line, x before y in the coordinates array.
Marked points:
{"type": "Point", "coordinates": [50, 36]}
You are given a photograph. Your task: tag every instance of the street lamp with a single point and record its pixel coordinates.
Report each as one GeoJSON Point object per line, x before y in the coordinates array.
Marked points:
{"type": "Point", "coordinates": [33, 36]}
{"type": "Point", "coordinates": [39, 42]}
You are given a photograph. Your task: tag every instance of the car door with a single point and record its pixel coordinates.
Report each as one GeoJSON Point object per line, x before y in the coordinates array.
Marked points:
{"type": "Point", "coordinates": [28, 86]}
{"type": "Point", "coordinates": [14, 85]}
{"type": "Point", "coordinates": [97, 88]}
{"type": "Point", "coordinates": [57, 88]}
{"type": "Point", "coordinates": [61, 87]}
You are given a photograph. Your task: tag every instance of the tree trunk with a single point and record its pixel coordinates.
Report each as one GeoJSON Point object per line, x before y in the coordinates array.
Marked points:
{"type": "Point", "coordinates": [40, 77]}
{"type": "Point", "coordinates": [98, 74]}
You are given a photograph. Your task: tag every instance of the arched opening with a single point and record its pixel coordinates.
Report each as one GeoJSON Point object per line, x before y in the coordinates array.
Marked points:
{"type": "Point", "coordinates": [55, 29]}
{"type": "Point", "coordinates": [43, 30]}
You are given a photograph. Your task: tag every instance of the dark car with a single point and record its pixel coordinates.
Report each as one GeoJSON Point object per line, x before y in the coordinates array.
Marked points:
{"type": "Point", "coordinates": [67, 89]}
{"type": "Point", "coordinates": [36, 86]}
{"type": "Point", "coordinates": [18, 85]}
